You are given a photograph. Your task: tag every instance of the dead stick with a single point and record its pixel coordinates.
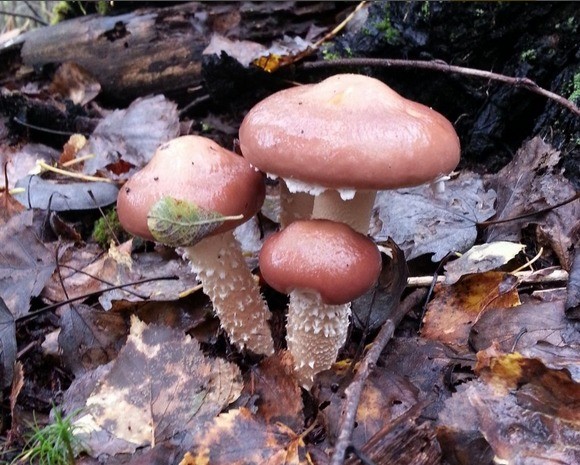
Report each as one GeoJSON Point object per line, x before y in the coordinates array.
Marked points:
{"type": "Point", "coordinates": [525, 277]}
{"type": "Point", "coordinates": [439, 65]}
{"type": "Point", "coordinates": [354, 390]}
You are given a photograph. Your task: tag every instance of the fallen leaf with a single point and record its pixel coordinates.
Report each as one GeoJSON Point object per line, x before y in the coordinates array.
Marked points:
{"type": "Point", "coordinates": [8, 347]}
{"type": "Point", "coordinates": [527, 412]}
{"type": "Point", "coordinates": [73, 82]}
{"type": "Point", "coordinates": [131, 135]}
{"type": "Point", "coordinates": [64, 195]}
{"type": "Point", "coordinates": [89, 270]}
{"type": "Point", "coordinates": [480, 258]}
{"type": "Point", "coordinates": [179, 223]}
{"type": "Point", "coordinates": [160, 384]}
{"type": "Point", "coordinates": [89, 337]}
{"type": "Point", "coordinates": [240, 438]}
{"type": "Point", "coordinates": [456, 308]}
{"type": "Point", "coordinates": [521, 326]}
{"type": "Point", "coordinates": [244, 51]}
{"type": "Point", "coordinates": [529, 183]}
{"type": "Point", "coordinates": [270, 382]}
{"type": "Point", "coordinates": [421, 222]}
{"type": "Point", "coordinates": [26, 263]}
{"type": "Point", "coordinates": [372, 309]}
{"type": "Point", "coordinates": [573, 289]}
{"type": "Point", "coordinates": [386, 395]}
{"type": "Point", "coordinates": [557, 357]}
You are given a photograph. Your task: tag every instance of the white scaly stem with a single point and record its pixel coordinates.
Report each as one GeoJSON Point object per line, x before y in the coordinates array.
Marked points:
{"type": "Point", "coordinates": [329, 205]}
{"type": "Point", "coordinates": [316, 332]}
{"type": "Point", "coordinates": [233, 290]}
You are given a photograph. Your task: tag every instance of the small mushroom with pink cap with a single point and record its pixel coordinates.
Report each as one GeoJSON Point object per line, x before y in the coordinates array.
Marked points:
{"type": "Point", "coordinates": [323, 265]}
{"type": "Point", "coordinates": [345, 138]}
{"type": "Point", "coordinates": [192, 194]}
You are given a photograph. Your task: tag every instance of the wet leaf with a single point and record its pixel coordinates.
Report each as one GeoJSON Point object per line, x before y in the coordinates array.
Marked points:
{"type": "Point", "coordinates": [422, 222]}
{"type": "Point", "coordinates": [521, 326]}
{"type": "Point", "coordinates": [573, 289]}
{"type": "Point", "coordinates": [160, 384]}
{"type": "Point", "coordinates": [65, 195]}
{"type": "Point", "coordinates": [71, 81]}
{"type": "Point", "coordinates": [131, 135]}
{"type": "Point", "coordinates": [89, 337]}
{"type": "Point", "coordinates": [90, 270]}
{"type": "Point", "coordinates": [376, 306]}
{"type": "Point", "coordinates": [456, 308]}
{"type": "Point", "coordinates": [26, 263]}
{"type": "Point", "coordinates": [386, 395]}
{"type": "Point", "coordinates": [240, 438]}
{"type": "Point", "coordinates": [527, 412]}
{"type": "Point", "coordinates": [178, 223]}
{"type": "Point", "coordinates": [480, 258]}
{"type": "Point", "coordinates": [271, 381]}
{"type": "Point", "coordinates": [7, 344]}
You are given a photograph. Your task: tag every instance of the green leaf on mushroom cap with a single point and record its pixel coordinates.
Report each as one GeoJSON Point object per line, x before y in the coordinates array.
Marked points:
{"type": "Point", "coordinates": [178, 223]}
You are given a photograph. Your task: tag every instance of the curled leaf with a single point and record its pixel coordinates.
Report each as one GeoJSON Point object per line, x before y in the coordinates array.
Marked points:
{"type": "Point", "coordinates": [179, 223]}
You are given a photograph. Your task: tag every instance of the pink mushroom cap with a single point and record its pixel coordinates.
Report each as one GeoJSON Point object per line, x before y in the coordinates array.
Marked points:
{"type": "Point", "coordinates": [349, 131]}
{"type": "Point", "coordinates": [321, 256]}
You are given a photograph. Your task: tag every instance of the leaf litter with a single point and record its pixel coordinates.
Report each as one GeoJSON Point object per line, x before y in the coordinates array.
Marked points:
{"type": "Point", "coordinates": [160, 384]}
{"type": "Point", "coordinates": [137, 395]}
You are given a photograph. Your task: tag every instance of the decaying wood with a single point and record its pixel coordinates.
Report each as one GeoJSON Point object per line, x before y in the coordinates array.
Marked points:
{"type": "Point", "coordinates": [160, 49]}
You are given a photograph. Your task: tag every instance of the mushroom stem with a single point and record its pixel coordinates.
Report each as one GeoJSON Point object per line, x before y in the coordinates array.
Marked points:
{"type": "Point", "coordinates": [316, 332]}
{"type": "Point", "coordinates": [294, 206]}
{"type": "Point", "coordinates": [356, 212]}
{"type": "Point", "coordinates": [243, 313]}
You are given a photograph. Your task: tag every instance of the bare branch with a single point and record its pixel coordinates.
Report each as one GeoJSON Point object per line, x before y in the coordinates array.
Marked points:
{"type": "Point", "coordinates": [438, 65]}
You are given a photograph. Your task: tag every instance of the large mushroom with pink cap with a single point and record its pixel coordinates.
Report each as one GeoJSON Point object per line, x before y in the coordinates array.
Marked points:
{"type": "Point", "coordinates": [323, 265]}
{"type": "Point", "coordinates": [192, 194]}
{"type": "Point", "coordinates": [345, 138]}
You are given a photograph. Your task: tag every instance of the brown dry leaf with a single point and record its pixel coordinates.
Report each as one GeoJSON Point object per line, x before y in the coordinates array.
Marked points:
{"type": "Point", "coordinates": [272, 381]}
{"type": "Point", "coordinates": [99, 271]}
{"type": "Point", "coordinates": [527, 412]}
{"type": "Point", "coordinates": [71, 147]}
{"type": "Point", "coordinates": [26, 263]}
{"type": "Point", "coordinates": [89, 337]}
{"type": "Point", "coordinates": [529, 183]}
{"type": "Point", "coordinates": [160, 384]}
{"type": "Point", "coordinates": [573, 289]}
{"type": "Point", "coordinates": [131, 135]}
{"type": "Point", "coordinates": [456, 308]}
{"type": "Point", "coordinates": [429, 365]}
{"type": "Point", "coordinates": [386, 395]}
{"type": "Point", "coordinates": [240, 438]}
{"type": "Point", "coordinates": [526, 324]}
{"type": "Point", "coordinates": [73, 82]}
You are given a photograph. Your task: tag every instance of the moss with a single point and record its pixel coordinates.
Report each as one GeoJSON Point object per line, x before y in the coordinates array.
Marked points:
{"type": "Point", "coordinates": [329, 53]}
{"type": "Point", "coordinates": [575, 95]}
{"type": "Point", "coordinates": [386, 28]}
{"type": "Point", "coordinates": [107, 229]}
{"type": "Point", "coordinates": [528, 55]}
{"type": "Point", "coordinates": [425, 10]}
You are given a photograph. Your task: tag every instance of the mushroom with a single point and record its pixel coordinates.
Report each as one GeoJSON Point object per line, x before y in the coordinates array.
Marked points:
{"type": "Point", "coordinates": [192, 194]}
{"type": "Point", "coordinates": [345, 138]}
{"type": "Point", "coordinates": [322, 265]}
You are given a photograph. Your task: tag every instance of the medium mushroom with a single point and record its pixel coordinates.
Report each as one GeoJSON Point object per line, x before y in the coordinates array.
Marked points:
{"type": "Point", "coordinates": [345, 138]}
{"type": "Point", "coordinates": [322, 265]}
{"type": "Point", "coordinates": [192, 194]}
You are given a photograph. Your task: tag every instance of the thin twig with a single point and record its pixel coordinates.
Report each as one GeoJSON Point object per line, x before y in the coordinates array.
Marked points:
{"type": "Point", "coordinates": [354, 390]}
{"type": "Point", "coordinates": [439, 65]}
{"type": "Point", "coordinates": [24, 15]}
{"type": "Point", "coordinates": [525, 277]}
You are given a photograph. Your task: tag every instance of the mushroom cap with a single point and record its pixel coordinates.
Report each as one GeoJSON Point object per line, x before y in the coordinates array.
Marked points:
{"type": "Point", "coordinates": [196, 170]}
{"type": "Point", "coordinates": [349, 131]}
{"type": "Point", "coordinates": [321, 256]}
